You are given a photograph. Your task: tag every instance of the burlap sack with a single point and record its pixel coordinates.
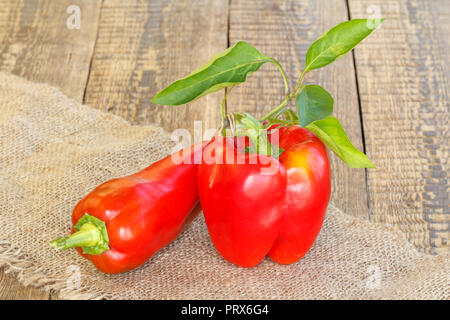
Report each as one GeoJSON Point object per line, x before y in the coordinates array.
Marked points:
{"type": "Point", "coordinates": [55, 150]}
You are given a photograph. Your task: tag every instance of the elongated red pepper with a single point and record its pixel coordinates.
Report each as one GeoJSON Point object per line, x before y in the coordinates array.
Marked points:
{"type": "Point", "coordinates": [123, 222]}
{"type": "Point", "coordinates": [250, 215]}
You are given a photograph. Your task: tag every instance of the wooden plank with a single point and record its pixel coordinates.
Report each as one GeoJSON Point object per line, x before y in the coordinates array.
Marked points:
{"type": "Point", "coordinates": [403, 79]}
{"type": "Point", "coordinates": [11, 289]}
{"type": "Point", "coordinates": [284, 30]}
{"type": "Point", "coordinates": [144, 46]}
{"type": "Point", "coordinates": [36, 43]}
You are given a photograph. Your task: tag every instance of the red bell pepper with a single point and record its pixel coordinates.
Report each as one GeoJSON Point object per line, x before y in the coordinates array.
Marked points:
{"type": "Point", "coordinates": [250, 214]}
{"type": "Point", "coordinates": [239, 203]}
{"type": "Point", "coordinates": [123, 222]}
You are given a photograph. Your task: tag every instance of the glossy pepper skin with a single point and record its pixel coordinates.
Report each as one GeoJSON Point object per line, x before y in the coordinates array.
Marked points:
{"type": "Point", "coordinates": [238, 202]}
{"type": "Point", "coordinates": [307, 193]}
{"type": "Point", "coordinates": [142, 212]}
{"type": "Point", "coordinates": [250, 215]}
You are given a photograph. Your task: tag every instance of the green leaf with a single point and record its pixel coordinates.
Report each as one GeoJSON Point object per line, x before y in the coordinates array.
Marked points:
{"type": "Point", "coordinates": [330, 132]}
{"type": "Point", "coordinates": [313, 103]}
{"type": "Point", "coordinates": [290, 115]}
{"type": "Point", "coordinates": [225, 69]}
{"type": "Point", "coordinates": [245, 125]}
{"type": "Point", "coordinates": [271, 121]}
{"type": "Point", "coordinates": [338, 41]}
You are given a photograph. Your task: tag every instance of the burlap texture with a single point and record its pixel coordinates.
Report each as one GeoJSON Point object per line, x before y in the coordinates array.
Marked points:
{"type": "Point", "coordinates": [54, 151]}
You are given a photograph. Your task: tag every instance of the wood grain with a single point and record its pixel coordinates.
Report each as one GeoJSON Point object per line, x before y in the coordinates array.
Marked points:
{"type": "Point", "coordinates": [403, 78]}
{"type": "Point", "coordinates": [402, 73]}
{"type": "Point", "coordinates": [144, 46]}
{"type": "Point", "coordinates": [284, 30]}
{"type": "Point", "coordinates": [35, 43]}
{"type": "Point", "coordinates": [11, 289]}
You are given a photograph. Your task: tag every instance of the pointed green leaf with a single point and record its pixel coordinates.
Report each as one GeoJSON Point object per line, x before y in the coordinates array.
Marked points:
{"type": "Point", "coordinates": [330, 132]}
{"type": "Point", "coordinates": [290, 115]}
{"type": "Point", "coordinates": [271, 121]}
{"type": "Point", "coordinates": [225, 69]}
{"type": "Point", "coordinates": [338, 41]}
{"type": "Point", "coordinates": [313, 103]}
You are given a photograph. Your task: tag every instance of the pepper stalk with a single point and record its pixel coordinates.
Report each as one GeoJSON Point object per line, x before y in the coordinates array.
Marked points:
{"type": "Point", "coordinates": [91, 235]}
{"type": "Point", "coordinates": [242, 124]}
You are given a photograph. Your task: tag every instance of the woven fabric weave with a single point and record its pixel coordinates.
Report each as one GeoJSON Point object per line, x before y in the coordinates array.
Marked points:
{"type": "Point", "coordinates": [55, 150]}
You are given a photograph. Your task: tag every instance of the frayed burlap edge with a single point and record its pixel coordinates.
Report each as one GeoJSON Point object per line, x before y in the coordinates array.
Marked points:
{"type": "Point", "coordinates": [17, 263]}
{"type": "Point", "coordinates": [28, 273]}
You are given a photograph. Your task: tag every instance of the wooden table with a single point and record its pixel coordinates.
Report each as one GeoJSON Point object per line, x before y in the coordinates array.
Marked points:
{"type": "Point", "coordinates": [391, 94]}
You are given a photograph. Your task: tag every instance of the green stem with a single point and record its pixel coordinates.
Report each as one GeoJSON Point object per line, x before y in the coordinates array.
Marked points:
{"type": "Point", "coordinates": [286, 91]}
{"type": "Point", "coordinates": [299, 82]}
{"type": "Point", "coordinates": [224, 102]}
{"type": "Point", "coordinates": [297, 91]}
{"type": "Point", "coordinates": [90, 235]}
{"type": "Point", "coordinates": [286, 83]}
{"type": "Point", "coordinates": [276, 110]}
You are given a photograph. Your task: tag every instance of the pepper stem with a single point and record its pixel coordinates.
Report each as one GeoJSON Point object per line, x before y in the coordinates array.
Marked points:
{"type": "Point", "coordinates": [90, 235]}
